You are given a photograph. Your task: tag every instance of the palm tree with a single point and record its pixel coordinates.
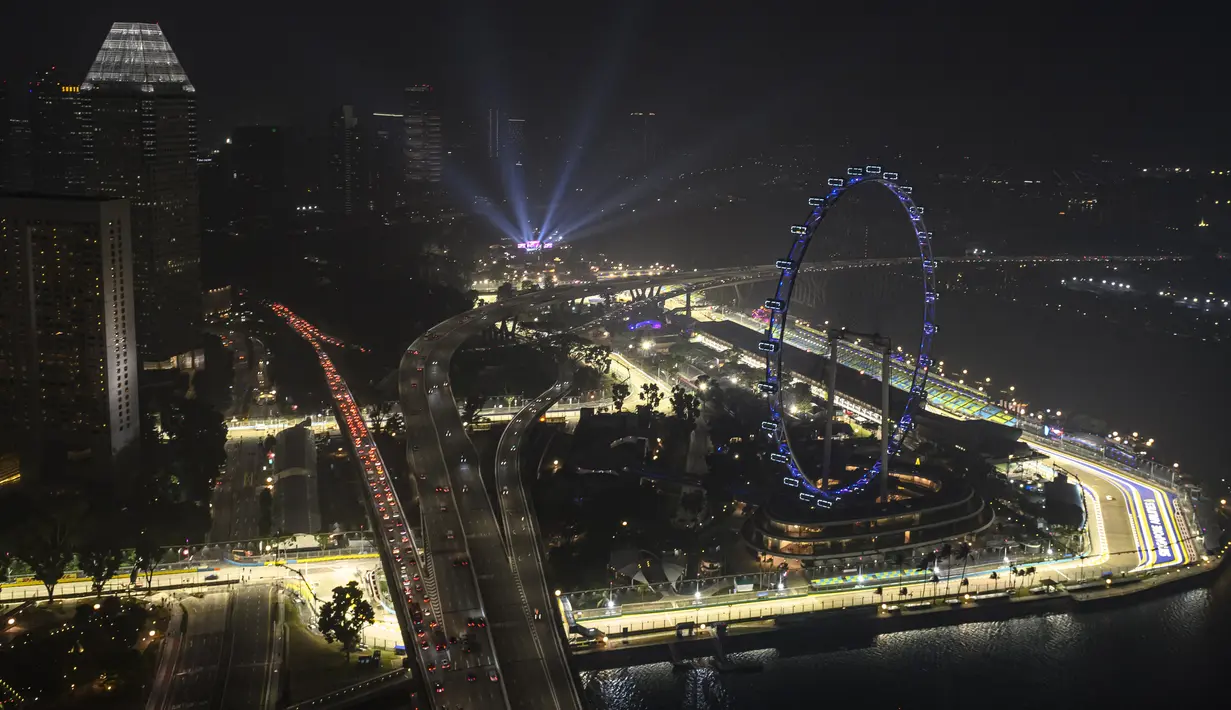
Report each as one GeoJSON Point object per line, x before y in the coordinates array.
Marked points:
{"type": "Point", "coordinates": [946, 550]}
{"type": "Point", "coordinates": [995, 578]}
{"type": "Point", "coordinates": [963, 554]}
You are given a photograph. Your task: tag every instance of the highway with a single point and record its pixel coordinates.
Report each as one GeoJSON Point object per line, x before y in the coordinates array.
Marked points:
{"type": "Point", "coordinates": [453, 500]}
{"type": "Point", "coordinates": [198, 671]}
{"type": "Point", "coordinates": [247, 680]}
{"type": "Point", "coordinates": [522, 541]}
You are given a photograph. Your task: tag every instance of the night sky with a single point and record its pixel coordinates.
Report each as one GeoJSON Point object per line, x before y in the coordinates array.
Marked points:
{"type": "Point", "coordinates": [1026, 80]}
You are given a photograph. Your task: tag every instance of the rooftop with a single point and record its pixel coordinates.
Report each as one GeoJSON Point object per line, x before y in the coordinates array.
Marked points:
{"type": "Point", "coordinates": [136, 53]}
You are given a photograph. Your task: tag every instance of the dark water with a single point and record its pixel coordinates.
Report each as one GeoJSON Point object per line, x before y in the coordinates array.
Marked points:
{"type": "Point", "coordinates": [1172, 650]}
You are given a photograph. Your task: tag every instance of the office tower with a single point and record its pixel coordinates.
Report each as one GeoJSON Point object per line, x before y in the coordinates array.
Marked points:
{"type": "Point", "coordinates": [17, 155]}
{"type": "Point", "coordinates": [57, 126]}
{"type": "Point", "coordinates": [424, 143]}
{"type": "Point", "coordinates": [345, 162]}
{"type": "Point", "coordinates": [258, 188]}
{"type": "Point", "coordinates": [514, 150]}
{"type": "Point", "coordinates": [4, 134]}
{"type": "Point", "coordinates": [387, 166]}
{"type": "Point", "coordinates": [493, 133]}
{"type": "Point", "coordinates": [141, 143]}
{"type": "Point", "coordinates": [643, 126]}
{"type": "Point", "coordinates": [68, 347]}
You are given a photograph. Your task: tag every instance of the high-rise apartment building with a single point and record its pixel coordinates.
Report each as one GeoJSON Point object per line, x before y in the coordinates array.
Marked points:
{"type": "Point", "coordinates": [68, 340]}
{"type": "Point", "coordinates": [57, 134]}
{"type": "Point", "coordinates": [346, 166]}
{"type": "Point", "coordinates": [141, 143]}
{"type": "Point", "coordinates": [424, 141]}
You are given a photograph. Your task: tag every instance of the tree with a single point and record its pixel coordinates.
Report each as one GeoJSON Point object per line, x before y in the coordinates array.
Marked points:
{"type": "Point", "coordinates": [196, 446]}
{"type": "Point", "coordinates": [505, 291]}
{"type": "Point", "coordinates": [344, 618]}
{"type": "Point", "coordinates": [46, 543]}
{"type": "Point", "coordinates": [684, 405]}
{"type": "Point", "coordinates": [529, 285]}
{"type": "Point", "coordinates": [651, 395]}
{"type": "Point", "coordinates": [100, 558]}
{"type": "Point", "coordinates": [471, 407]}
{"type": "Point", "coordinates": [379, 414]}
{"type": "Point", "coordinates": [619, 393]}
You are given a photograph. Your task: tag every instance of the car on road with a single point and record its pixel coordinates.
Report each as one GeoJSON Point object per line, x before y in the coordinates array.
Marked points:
{"type": "Point", "coordinates": [438, 687]}
{"type": "Point", "coordinates": [211, 577]}
{"type": "Point", "coordinates": [444, 508]}
{"type": "Point", "coordinates": [471, 677]}
{"type": "Point", "coordinates": [492, 675]}
{"type": "Point", "coordinates": [463, 459]}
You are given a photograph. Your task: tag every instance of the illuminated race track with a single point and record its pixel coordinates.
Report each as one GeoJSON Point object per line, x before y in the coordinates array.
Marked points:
{"type": "Point", "coordinates": [1152, 510]}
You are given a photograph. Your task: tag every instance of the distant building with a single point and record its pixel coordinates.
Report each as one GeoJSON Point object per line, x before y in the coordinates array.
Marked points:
{"type": "Point", "coordinates": [57, 135]}
{"type": "Point", "coordinates": [493, 133]}
{"type": "Point", "coordinates": [424, 141]}
{"type": "Point", "coordinates": [68, 338]}
{"type": "Point", "coordinates": [258, 189]}
{"type": "Point", "coordinates": [388, 164]}
{"type": "Point", "coordinates": [644, 131]}
{"type": "Point", "coordinates": [141, 143]}
{"type": "Point", "coordinates": [219, 304]}
{"type": "Point", "coordinates": [514, 150]}
{"type": "Point", "coordinates": [346, 169]}
{"type": "Point", "coordinates": [4, 133]}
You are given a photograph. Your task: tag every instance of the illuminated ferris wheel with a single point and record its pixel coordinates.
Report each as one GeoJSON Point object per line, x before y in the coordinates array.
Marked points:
{"type": "Point", "coordinates": [776, 333]}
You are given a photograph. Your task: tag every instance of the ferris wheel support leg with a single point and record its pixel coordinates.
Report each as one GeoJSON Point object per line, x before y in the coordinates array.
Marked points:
{"type": "Point", "coordinates": [885, 425]}
{"type": "Point", "coordinates": [831, 391]}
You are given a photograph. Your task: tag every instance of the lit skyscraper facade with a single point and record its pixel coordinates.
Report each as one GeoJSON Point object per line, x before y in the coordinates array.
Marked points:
{"type": "Point", "coordinates": [68, 342]}
{"type": "Point", "coordinates": [346, 171]}
{"type": "Point", "coordinates": [141, 143]}
{"type": "Point", "coordinates": [387, 163]}
{"type": "Point", "coordinates": [515, 142]}
{"type": "Point", "coordinates": [57, 135]}
{"type": "Point", "coordinates": [424, 142]}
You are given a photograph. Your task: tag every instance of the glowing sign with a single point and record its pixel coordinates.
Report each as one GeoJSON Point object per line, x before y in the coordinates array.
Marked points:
{"type": "Point", "coordinates": [535, 245]}
{"type": "Point", "coordinates": [1157, 531]}
{"type": "Point", "coordinates": [651, 324]}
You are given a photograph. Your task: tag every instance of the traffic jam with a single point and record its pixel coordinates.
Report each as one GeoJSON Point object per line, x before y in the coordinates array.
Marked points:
{"type": "Point", "coordinates": [428, 632]}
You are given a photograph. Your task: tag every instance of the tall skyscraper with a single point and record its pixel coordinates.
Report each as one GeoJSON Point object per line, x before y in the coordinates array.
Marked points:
{"type": "Point", "coordinates": [57, 133]}
{"type": "Point", "coordinates": [424, 142]}
{"type": "Point", "coordinates": [258, 189]}
{"type": "Point", "coordinates": [515, 142]}
{"type": "Point", "coordinates": [68, 343]}
{"type": "Point", "coordinates": [387, 163]}
{"type": "Point", "coordinates": [4, 134]}
{"type": "Point", "coordinates": [644, 130]}
{"type": "Point", "coordinates": [493, 133]}
{"type": "Point", "coordinates": [346, 162]}
{"type": "Point", "coordinates": [141, 143]}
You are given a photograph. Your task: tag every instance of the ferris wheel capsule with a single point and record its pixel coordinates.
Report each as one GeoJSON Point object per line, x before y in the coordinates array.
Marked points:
{"type": "Point", "coordinates": [890, 176]}
{"type": "Point", "coordinates": [872, 170]}
{"type": "Point", "coordinates": [854, 171]}
{"type": "Point", "coordinates": [836, 182]}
